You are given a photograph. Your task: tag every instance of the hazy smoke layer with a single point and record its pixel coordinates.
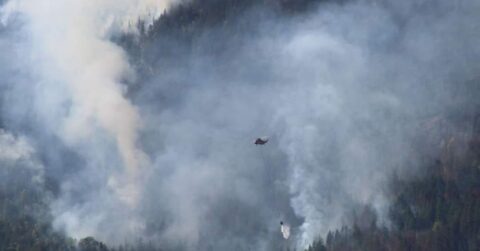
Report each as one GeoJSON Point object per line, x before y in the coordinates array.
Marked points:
{"type": "Point", "coordinates": [339, 90]}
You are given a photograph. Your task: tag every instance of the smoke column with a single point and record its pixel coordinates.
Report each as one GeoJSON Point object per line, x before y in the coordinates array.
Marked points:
{"type": "Point", "coordinates": [71, 42]}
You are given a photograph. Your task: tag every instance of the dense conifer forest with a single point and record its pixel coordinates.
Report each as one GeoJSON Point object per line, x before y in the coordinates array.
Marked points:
{"type": "Point", "coordinates": [436, 208]}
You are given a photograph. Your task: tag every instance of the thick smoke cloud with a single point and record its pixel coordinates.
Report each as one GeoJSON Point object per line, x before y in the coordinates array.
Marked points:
{"type": "Point", "coordinates": [80, 74]}
{"type": "Point", "coordinates": [340, 90]}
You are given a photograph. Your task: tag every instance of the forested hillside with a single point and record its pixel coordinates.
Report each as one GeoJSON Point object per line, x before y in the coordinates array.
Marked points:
{"type": "Point", "coordinates": [432, 188]}
{"type": "Point", "coordinates": [438, 210]}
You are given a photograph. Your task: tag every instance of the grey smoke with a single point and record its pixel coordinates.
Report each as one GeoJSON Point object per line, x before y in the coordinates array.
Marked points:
{"type": "Point", "coordinates": [339, 90]}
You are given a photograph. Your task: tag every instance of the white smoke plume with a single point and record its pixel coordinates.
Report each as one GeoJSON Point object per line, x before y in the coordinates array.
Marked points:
{"type": "Point", "coordinates": [337, 90]}
{"type": "Point", "coordinates": [70, 41]}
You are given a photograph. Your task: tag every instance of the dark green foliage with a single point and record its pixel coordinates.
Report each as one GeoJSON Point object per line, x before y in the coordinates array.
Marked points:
{"type": "Point", "coordinates": [195, 16]}
{"type": "Point", "coordinates": [317, 246]}
{"type": "Point", "coordinates": [184, 28]}
{"type": "Point", "coordinates": [24, 213]}
{"type": "Point", "coordinates": [90, 244]}
{"type": "Point", "coordinates": [439, 210]}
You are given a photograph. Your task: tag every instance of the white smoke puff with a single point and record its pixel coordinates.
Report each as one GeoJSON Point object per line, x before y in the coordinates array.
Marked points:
{"type": "Point", "coordinates": [285, 229]}
{"type": "Point", "coordinates": [17, 149]}
{"type": "Point", "coordinates": [12, 148]}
